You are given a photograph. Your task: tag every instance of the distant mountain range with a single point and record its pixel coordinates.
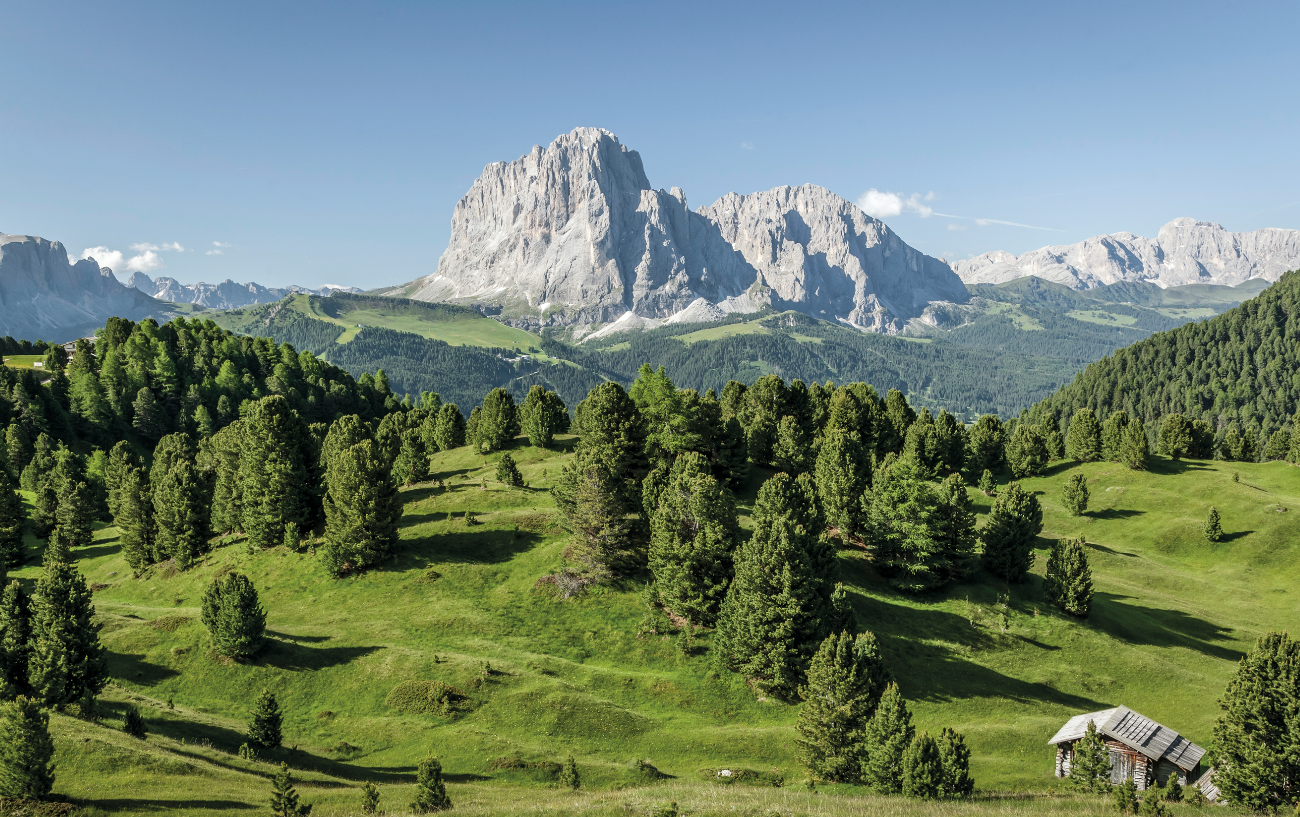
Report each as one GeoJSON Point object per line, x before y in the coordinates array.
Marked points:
{"type": "Point", "coordinates": [225, 295]}
{"type": "Point", "coordinates": [1185, 251]}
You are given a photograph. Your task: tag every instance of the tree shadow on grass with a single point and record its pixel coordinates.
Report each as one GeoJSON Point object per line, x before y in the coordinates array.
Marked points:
{"type": "Point", "coordinates": [1235, 535]}
{"type": "Point", "coordinates": [474, 545]}
{"type": "Point", "coordinates": [1150, 626]}
{"type": "Point", "coordinates": [1165, 466]}
{"type": "Point", "coordinates": [1111, 551]}
{"type": "Point", "coordinates": [1115, 513]}
{"type": "Point", "coordinates": [295, 657]}
{"type": "Point", "coordinates": [136, 805]}
{"type": "Point", "coordinates": [310, 639]}
{"type": "Point", "coordinates": [134, 669]}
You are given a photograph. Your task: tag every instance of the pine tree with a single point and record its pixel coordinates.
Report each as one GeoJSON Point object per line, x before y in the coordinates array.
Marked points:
{"type": "Point", "coordinates": [133, 723]}
{"type": "Point", "coordinates": [498, 422]}
{"type": "Point", "coordinates": [542, 416]}
{"type": "Point", "coordinates": [412, 463]}
{"type": "Point", "coordinates": [846, 678]}
{"type": "Point", "coordinates": [1258, 718]}
{"type": "Point", "coordinates": [150, 419]}
{"type": "Point", "coordinates": [603, 545]}
{"type": "Point", "coordinates": [13, 523]}
{"type": "Point", "coordinates": [1052, 437]}
{"type": "Point", "coordinates": [955, 527]}
{"type": "Point", "coordinates": [1068, 582]}
{"type": "Point", "coordinates": [18, 447]}
{"type": "Point", "coordinates": [449, 430]}
{"type": "Point", "coordinates": [26, 750]}
{"type": "Point", "coordinates": [1173, 790]}
{"type": "Point", "coordinates": [1009, 533]}
{"type": "Point", "coordinates": [1112, 435]}
{"type": "Point", "coordinates": [264, 726]}
{"type": "Point", "coordinates": [1277, 446]}
{"type": "Point", "coordinates": [611, 435]}
{"type": "Point", "coordinates": [792, 450]}
{"type": "Point", "coordinates": [134, 520]}
{"type": "Point", "coordinates": [66, 662]}
{"type": "Point", "coordinates": [273, 474]}
{"type": "Point", "coordinates": [693, 534]}
{"type": "Point", "coordinates": [284, 797]}
{"type": "Point", "coordinates": [953, 442]}
{"type": "Point", "coordinates": [1027, 451]}
{"type": "Point", "coordinates": [430, 790]}
{"type": "Point", "coordinates": [841, 473]}
{"type": "Point", "coordinates": [179, 514]}
{"type": "Point", "coordinates": [903, 517]}
{"type": "Point", "coordinates": [224, 448]}
{"type": "Point", "coordinates": [1153, 804]}
{"type": "Point", "coordinates": [369, 798]}
{"type": "Point", "coordinates": [987, 440]}
{"type": "Point", "coordinates": [888, 735]}
{"type": "Point", "coordinates": [1074, 494]}
{"type": "Point", "coordinates": [1213, 529]}
{"type": "Point", "coordinates": [1083, 442]}
{"type": "Point", "coordinates": [1133, 450]}
{"type": "Point", "coordinates": [922, 769]}
{"type": "Point", "coordinates": [361, 510]}
{"type": "Point", "coordinates": [954, 760]}
{"type": "Point", "coordinates": [1090, 762]}
{"type": "Point", "coordinates": [569, 774]}
{"type": "Point", "coordinates": [508, 473]}
{"type": "Point", "coordinates": [14, 627]}
{"type": "Point", "coordinates": [233, 617]}
{"type": "Point", "coordinates": [121, 457]}
{"type": "Point", "coordinates": [1175, 436]}
{"type": "Point", "coordinates": [988, 485]}
{"type": "Point", "coordinates": [1126, 797]}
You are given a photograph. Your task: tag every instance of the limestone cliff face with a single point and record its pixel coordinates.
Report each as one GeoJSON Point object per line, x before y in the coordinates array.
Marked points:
{"type": "Point", "coordinates": [574, 234]}
{"type": "Point", "coordinates": [43, 296]}
{"type": "Point", "coordinates": [1185, 251]}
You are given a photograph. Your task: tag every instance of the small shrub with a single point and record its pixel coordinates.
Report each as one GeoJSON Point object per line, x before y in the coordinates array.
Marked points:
{"type": "Point", "coordinates": [247, 752]}
{"type": "Point", "coordinates": [1213, 529]}
{"type": "Point", "coordinates": [133, 724]}
{"type": "Point", "coordinates": [428, 698]}
{"type": "Point", "coordinates": [170, 624]}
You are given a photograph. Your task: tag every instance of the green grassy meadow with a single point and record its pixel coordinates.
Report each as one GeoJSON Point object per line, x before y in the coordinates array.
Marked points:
{"type": "Point", "coordinates": [459, 331]}
{"type": "Point", "coordinates": [544, 677]}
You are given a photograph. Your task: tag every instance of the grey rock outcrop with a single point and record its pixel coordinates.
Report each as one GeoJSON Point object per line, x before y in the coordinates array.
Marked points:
{"type": "Point", "coordinates": [1185, 251]}
{"type": "Point", "coordinates": [43, 296]}
{"type": "Point", "coordinates": [225, 295]}
{"type": "Point", "coordinates": [573, 234]}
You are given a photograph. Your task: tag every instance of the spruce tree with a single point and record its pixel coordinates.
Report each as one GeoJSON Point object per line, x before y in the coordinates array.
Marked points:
{"type": "Point", "coordinates": [1083, 441]}
{"type": "Point", "coordinates": [1213, 529]}
{"type": "Point", "coordinates": [693, 534]}
{"type": "Point", "coordinates": [1090, 762]}
{"type": "Point", "coordinates": [264, 726]}
{"type": "Point", "coordinates": [498, 422]}
{"type": "Point", "coordinates": [1277, 446]}
{"type": "Point", "coordinates": [1153, 804]}
{"type": "Point", "coordinates": [449, 430]}
{"type": "Point", "coordinates": [273, 474]}
{"type": "Point", "coordinates": [13, 523]}
{"type": "Point", "coordinates": [179, 514]}
{"type": "Point", "coordinates": [150, 420]}
{"type": "Point", "coordinates": [955, 527]}
{"type": "Point", "coordinates": [569, 774]}
{"type": "Point", "coordinates": [841, 473]}
{"type": "Point", "coordinates": [430, 790]}
{"type": "Point", "coordinates": [987, 440]}
{"type": "Point", "coordinates": [26, 750]}
{"type": "Point", "coordinates": [1176, 436]}
{"type": "Point", "coordinates": [121, 457]}
{"type": "Point", "coordinates": [888, 735]}
{"type": "Point", "coordinates": [903, 517]}
{"type": "Point", "coordinates": [954, 760]}
{"type": "Point", "coordinates": [233, 616]}
{"type": "Point", "coordinates": [1027, 451]}
{"type": "Point", "coordinates": [922, 768]}
{"type": "Point", "coordinates": [361, 511]}
{"type": "Point", "coordinates": [792, 449]}
{"type": "Point", "coordinates": [412, 463]}
{"type": "Point", "coordinates": [1258, 718]}
{"type": "Point", "coordinates": [1173, 790]}
{"type": "Point", "coordinates": [1068, 582]}
{"type": "Point", "coordinates": [1112, 435]}
{"type": "Point", "coordinates": [921, 443]}
{"type": "Point", "coordinates": [776, 609]}
{"type": "Point", "coordinates": [14, 631]}
{"type": "Point", "coordinates": [133, 723]}
{"type": "Point", "coordinates": [611, 435]}
{"type": "Point", "coordinates": [66, 662]}
{"type": "Point", "coordinates": [988, 485]}
{"type": "Point", "coordinates": [508, 473]}
{"type": "Point", "coordinates": [369, 798]}
{"type": "Point", "coordinates": [1134, 451]}
{"type": "Point", "coordinates": [225, 448]}
{"type": "Point", "coordinates": [542, 416]}
{"type": "Point", "coordinates": [1074, 494]}
{"type": "Point", "coordinates": [134, 520]}
{"type": "Point", "coordinates": [1009, 533]}
{"type": "Point", "coordinates": [1125, 797]}
{"type": "Point", "coordinates": [952, 443]}
{"type": "Point", "coordinates": [598, 518]}
{"type": "Point", "coordinates": [18, 447]}
{"type": "Point", "coordinates": [1052, 437]}
{"type": "Point", "coordinates": [846, 678]}
{"type": "Point", "coordinates": [284, 797]}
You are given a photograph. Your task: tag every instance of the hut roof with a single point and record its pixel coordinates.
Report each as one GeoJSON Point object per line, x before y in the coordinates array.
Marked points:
{"type": "Point", "coordinates": [1137, 732]}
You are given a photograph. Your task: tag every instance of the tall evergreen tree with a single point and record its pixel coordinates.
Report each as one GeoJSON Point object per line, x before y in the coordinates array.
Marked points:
{"type": "Point", "coordinates": [225, 449]}
{"type": "Point", "coordinates": [14, 633]}
{"type": "Point", "coordinates": [412, 463]}
{"type": "Point", "coordinates": [264, 725]}
{"type": "Point", "coordinates": [598, 518]}
{"type": "Point", "coordinates": [846, 678]}
{"type": "Point", "coordinates": [18, 447]}
{"type": "Point", "coordinates": [150, 419]}
{"type": "Point", "coordinates": [26, 750]}
{"type": "Point", "coordinates": [1090, 762]}
{"type": "Point", "coordinates": [955, 527]}
{"type": "Point", "coordinates": [180, 514]}
{"type": "Point", "coordinates": [916, 538]}
{"type": "Point", "coordinates": [1213, 530]}
{"type": "Point", "coordinates": [987, 441]}
{"type": "Point", "coordinates": [1175, 436]}
{"type": "Point", "coordinates": [1083, 442]}
{"type": "Point", "coordinates": [284, 797]}
{"type": "Point", "coordinates": [13, 523]}
{"type": "Point", "coordinates": [1134, 450]}
{"type": "Point", "coordinates": [922, 768]}
{"type": "Point", "coordinates": [1074, 494]}
{"type": "Point", "coordinates": [233, 616]}
{"type": "Point", "coordinates": [499, 421]}
{"type": "Point", "coordinates": [449, 430]}
{"type": "Point", "coordinates": [66, 663]}
{"type": "Point", "coordinates": [273, 473]}
{"type": "Point", "coordinates": [542, 416]}
{"type": "Point", "coordinates": [842, 473]}
{"type": "Point", "coordinates": [1052, 436]}
{"type": "Point", "coordinates": [508, 473]}
{"type": "Point", "coordinates": [1027, 451]}
{"type": "Point", "coordinates": [886, 738]}
{"type": "Point", "coordinates": [361, 511]}
{"type": "Point", "coordinates": [693, 533]}
{"type": "Point", "coordinates": [1009, 533]}
{"type": "Point", "coordinates": [120, 458]}
{"type": "Point", "coordinates": [430, 790]}
{"type": "Point", "coordinates": [1112, 435]}
{"type": "Point", "coordinates": [954, 759]}
{"type": "Point", "coordinates": [73, 517]}
{"type": "Point", "coordinates": [952, 443]}
{"type": "Point", "coordinates": [134, 520]}
{"type": "Point", "coordinates": [1068, 583]}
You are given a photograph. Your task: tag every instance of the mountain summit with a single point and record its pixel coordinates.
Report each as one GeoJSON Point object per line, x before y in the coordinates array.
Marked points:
{"type": "Point", "coordinates": [573, 235]}
{"type": "Point", "coordinates": [1186, 251]}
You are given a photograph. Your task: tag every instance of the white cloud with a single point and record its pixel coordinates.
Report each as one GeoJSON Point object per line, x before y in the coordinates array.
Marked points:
{"type": "Point", "coordinates": [956, 226]}
{"type": "Point", "coordinates": [147, 261]}
{"type": "Point", "coordinates": [884, 204]}
{"type": "Point", "coordinates": [220, 244]}
{"type": "Point", "coordinates": [217, 247]}
{"type": "Point", "coordinates": [747, 145]}
{"type": "Point", "coordinates": [104, 257]}
{"type": "Point", "coordinates": [144, 247]}
{"type": "Point", "coordinates": [213, 252]}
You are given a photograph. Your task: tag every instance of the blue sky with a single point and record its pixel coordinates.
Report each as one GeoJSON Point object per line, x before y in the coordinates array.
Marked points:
{"type": "Point", "coordinates": [327, 143]}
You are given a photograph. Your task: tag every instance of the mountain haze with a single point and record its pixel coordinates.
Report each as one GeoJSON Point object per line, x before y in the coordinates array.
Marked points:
{"type": "Point", "coordinates": [225, 295]}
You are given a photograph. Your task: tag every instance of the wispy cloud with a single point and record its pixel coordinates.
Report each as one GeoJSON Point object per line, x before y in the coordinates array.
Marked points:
{"type": "Point", "coordinates": [217, 247]}
{"type": "Point", "coordinates": [172, 247]}
{"type": "Point", "coordinates": [104, 257]}
{"type": "Point", "coordinates": [146, 260]}
{"type": "Point", "coordinates": [956, 226]}
{"type": "Point", "coordinates": [746, 145]}
{"type": "Point", "coordinates": [886, 204]}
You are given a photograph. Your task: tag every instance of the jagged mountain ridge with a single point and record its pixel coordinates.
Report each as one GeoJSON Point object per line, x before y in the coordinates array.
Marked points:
{"type": "Point", "coordinates": [573, 235]}
{"type": "Point", "coordinates": [43, 295]}
{"type": "Point", "coordinates": [1185, 251]}
{"type": "Point", "coordinates": [225, 295]}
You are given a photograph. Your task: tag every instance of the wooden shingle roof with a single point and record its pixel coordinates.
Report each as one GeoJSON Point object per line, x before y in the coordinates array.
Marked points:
{"type": "Point", "coordinates": [1137, 732]}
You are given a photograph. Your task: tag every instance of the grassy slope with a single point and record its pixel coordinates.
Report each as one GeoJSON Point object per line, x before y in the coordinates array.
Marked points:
{"type": "Point", "coordinates": [1171, 616]}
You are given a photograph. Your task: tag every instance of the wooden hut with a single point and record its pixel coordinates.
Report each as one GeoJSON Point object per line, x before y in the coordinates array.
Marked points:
{"type": "Point", "coordinates": [1139, 748]}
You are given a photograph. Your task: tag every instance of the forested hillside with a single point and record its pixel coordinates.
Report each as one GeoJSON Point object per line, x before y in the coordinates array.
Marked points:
{"type": "Point", "coordinates": [1238, 374]}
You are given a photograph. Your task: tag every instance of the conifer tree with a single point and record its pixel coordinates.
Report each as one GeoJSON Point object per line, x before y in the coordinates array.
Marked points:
{"type": "Point", "coordinates": [569, 774]}
{"type": "Point", "coordinates": [922, 768]}
{"type": "Point", "coordinates": [1153, 803]}
{"type": "Point", "coordinates": [1134, 450]}
{"type": "Point", "coordinates": [888, 735]}
{"type": "Point", "coordinates": [41, 463]}
{"type": "Point", "coordinates": [1173, 790]}
{"type": "Point", "coordinates": [1009, 533]}
{"type": "Point", "coordinates": [1125, 797]}
{"type": "Point", "coordinates": [13, 523]}
{"type": "Point", "coordinates": [1090, 763]}
{"type": "Point", "coordinates": [284, 797]}
{"type": "Point", "coordinates": [1083, 441]}
{"type": "Point", "coordinates": [1175, 436]}
{"type": "Point", "coordinates": [273, 474]}
{"type": "Point", "coordinates": [841, 473]}
{"type": "Point", "coordinates": [361, 510]}
{"type": "Point", "coordinates": [412, 463]}
{"type": "Point", "coordinates": [133, 723]}
{"type": "Point", "coordinates": [898, 416]}
{"type": "Point", "coordinates": [46, 507]}
{"type": "Point", "coordinates": [179, 514]}
{"type": "Point", "coordinates": [775, 611]}
{"type": "Point", "coordinates": [954, 760]}
{"type": "Point", "coordinates": [1112, 435]}
{"type": "Point", "coordinates": [430, 790]}
{"type": "Point", "coordinates": [988, 485]}
{"type": "Point", "coordinates": [1068, 582]}
{"type": "Point", "coordinates": [693, 533]}
{"type": "Point", "coordinates": [1277, 446]}
{"type": "Point", "coordinates": [150, 419]}
{"type": "Point", "coordinates": [26, 750]}
{"type": "Point", "coordinates": [225, 448]}
{"type": "Point", "coordinates": [955, 527]}
{"type": "Point", "coordinates": [542, 416]}
{"type": "Point", "coordinates": [792, 449]}
{"type": "Point", "coordinates": [903, 519]}
{"type": "Point", "coordinates": [369, 798]}
{"type": "Point", "coordinates": [66, 662]}
{"type": "Point", "coordinates": [1027, 451]}
{"type": "Point", "coordinates": [449, 430]}
{"type": "Point", "coordinates": [1074, 494]}
{"type": "Point", "coordinates": [611, 435]}
{"type": "Point", "coordinates": [264, 726]}
{"type": "Point", "coordinates": [508, 473]}
{"type": "Point", "coordinates": [498, 423]}
{"type": "Point", "coordinates": [134, 520]}
{"type": "Point", "coordinates": [120, 457]}
{"type": "Point", "coordinates": [846, 678]}
{"type": "Point", "coordinates": [987, 441]}
{"type": "Point", "coordinates": [599, 521]}
{"type": "Point", "coordinates": [18, 447]}
{"type": "Point", "coordinates": [14, 629]}
{"type": "Point", "coordinates": [233, 617]}
{"type": "Point", "coordinates": [1213, 528]}
{"type": "Point", "coordinates": [1052, 437]}
{"type": "Point", "coordinates": [952, 443]}
{"type": "Point", "coordinates": [921, 444]}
